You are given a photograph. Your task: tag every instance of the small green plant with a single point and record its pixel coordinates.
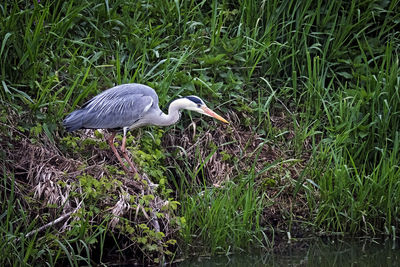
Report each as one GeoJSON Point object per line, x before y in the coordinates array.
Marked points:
{"type": "Point", "coordinates": [94, 189]}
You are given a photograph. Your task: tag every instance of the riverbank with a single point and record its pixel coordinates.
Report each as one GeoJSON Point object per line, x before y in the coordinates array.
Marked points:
{"type": "Point", "coordinates": [311, 91]}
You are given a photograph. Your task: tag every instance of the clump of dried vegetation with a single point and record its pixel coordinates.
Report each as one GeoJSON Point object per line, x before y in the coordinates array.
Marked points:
{"type": "Point", "coordinates": [220, 158]}
{"type": "Point", "coordinates": [60, 188]}
{"type": "Point", "coordinates": [60, 192]}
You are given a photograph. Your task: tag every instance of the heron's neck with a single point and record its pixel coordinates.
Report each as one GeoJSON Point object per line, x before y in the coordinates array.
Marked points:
{"type": "Point", "coordinates": [173, 115]}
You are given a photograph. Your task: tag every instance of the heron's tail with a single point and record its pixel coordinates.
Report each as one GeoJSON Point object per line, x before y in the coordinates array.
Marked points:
{"type": "Point", "coordinates": [74, 121]}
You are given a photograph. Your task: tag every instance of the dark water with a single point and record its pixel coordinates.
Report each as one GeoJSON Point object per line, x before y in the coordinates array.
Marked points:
{"type": "Point", "coordinates": [316, 253]}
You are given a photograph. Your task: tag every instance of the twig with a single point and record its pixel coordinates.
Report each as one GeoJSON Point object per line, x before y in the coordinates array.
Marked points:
{"type": "Point", "coordinates": [60, 219]}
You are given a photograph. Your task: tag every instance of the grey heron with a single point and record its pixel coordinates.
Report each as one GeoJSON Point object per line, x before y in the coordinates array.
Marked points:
{"type": "Point", "coordinates": [127, 107]}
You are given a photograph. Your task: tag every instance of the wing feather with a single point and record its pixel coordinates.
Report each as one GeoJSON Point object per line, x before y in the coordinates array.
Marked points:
{"type": "Point", "coordinates": [117, 112]}
{"type": "Point", "coordinates": [118, 107]}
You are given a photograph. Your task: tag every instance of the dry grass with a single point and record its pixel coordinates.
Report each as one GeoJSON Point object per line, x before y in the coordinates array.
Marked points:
{"type": "Point", "coordinates": [51, 178]}
{"type": "Point", "coordinates": [233, 140]}
{"type": "Point", "coordinates": [48, 182]}
{"type": "Point", "coordinates": [246, 148]}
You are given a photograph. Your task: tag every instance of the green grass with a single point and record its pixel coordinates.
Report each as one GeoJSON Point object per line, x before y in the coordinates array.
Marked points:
{"type": "Point", "coordinates": [220, 220]}
{"type": "Point", "coordinates": [223, 220]}
{"type": "Point", "coordinates": [22, 244]}
{"type": "Point", "coordinates": [332, 69]}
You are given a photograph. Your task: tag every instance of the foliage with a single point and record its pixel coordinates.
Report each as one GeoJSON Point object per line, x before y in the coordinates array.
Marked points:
{"type": "Point", "coordinates": [315, 82]}
{"type": "Point", "coordinates": [221, 220]}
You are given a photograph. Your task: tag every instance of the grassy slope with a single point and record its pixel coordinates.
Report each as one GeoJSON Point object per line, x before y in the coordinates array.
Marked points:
{"type": "Point", "coordinates": [331, 69]}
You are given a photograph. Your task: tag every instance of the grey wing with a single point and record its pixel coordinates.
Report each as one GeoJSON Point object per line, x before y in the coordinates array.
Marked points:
{"type": "Point", "coordinates": [116, 112]}
{"type": "Point", "coordinates": [117, 107]}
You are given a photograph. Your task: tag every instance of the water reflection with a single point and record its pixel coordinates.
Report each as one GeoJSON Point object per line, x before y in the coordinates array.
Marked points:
{"type": "Point", "coordinates": [316, 253]}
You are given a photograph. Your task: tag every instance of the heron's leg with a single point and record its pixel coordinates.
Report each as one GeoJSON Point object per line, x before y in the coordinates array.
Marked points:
{"type": "Point", "coordinates": [110, 141]}
{"type": "Point", "coordinates": [123, 149]}
{"type": "Point", "coordinates": [125, 155]}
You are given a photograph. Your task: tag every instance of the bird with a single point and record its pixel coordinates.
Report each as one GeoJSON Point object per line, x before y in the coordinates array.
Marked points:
{"type": "Point", "coordinates": [130, 106]}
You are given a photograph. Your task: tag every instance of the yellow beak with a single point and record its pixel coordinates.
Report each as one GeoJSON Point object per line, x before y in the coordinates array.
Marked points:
{"type": "Point", "coordinates": [211, 113]}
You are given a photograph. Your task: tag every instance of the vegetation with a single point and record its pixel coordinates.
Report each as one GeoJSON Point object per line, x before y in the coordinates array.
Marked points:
{"type": "Point", "coordinates": [311, 89]}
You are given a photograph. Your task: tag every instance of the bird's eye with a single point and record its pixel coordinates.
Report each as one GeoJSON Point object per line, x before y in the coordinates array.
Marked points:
{"type": "Point", "coordinates": [198, 105]}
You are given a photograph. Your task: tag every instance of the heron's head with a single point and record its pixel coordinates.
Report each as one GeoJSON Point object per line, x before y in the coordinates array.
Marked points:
{"type": "Point", "coordinates": [195, 103]}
